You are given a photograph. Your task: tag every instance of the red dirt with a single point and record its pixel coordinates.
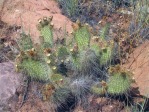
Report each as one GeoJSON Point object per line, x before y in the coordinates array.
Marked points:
{"type": "Point", "coordinates": [27, 12]}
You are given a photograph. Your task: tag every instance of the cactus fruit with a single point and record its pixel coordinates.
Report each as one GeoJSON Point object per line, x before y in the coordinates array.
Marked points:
{"type": "Point", "coordinates": [35, 69]}
{"type": "Point", "coordinates": [46, 29]}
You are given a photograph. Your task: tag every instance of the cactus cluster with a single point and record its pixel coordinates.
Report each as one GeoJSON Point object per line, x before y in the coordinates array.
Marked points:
{"type": "Point", "coordinates": [118, 83]}
{"type": "Point", "coordinates": [72, 70]}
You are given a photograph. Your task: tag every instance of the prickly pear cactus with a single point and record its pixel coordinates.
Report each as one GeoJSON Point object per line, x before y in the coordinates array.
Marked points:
{"type": "Point", "coordinates": [86, 63]}
{"type": "Point", "coordinates": [30, 62]}
{"type": "Point", "coordinates": [119, 82]}
{"type": "Point", "coordinates": [102, 46]}
{"type": "Point", "coordinates": [62, 52]}
{"type": "Point", "coordinates": [50, 57]}
{"type": "Point", "coordinates": [86, 56]}
{"type": "Point", "coordinates": [25, 42]}
{"type": "Point", "coordinates": [35, 69]}
{"type": "Point", "coordinates": [105, 56]}
{"type": "Point", "coordinates": [104, 32]}
{"type": "Point", "coordinates": [46, 30]}
{"type": "Point", "coordinates": [81, 35]}
{"type": "Point", "coordinates": [103, 49]}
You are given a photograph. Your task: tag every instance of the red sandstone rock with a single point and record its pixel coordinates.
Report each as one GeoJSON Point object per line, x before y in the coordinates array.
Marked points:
{"type": "Point", "coordinates": [27, 12]}
{"type": "Point", "coordinates": [9, 82]}
{"type": "Point", "coordinates": [139, 65]}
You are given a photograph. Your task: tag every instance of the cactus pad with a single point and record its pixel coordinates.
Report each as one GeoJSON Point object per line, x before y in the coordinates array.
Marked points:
{"type": "Point", "coordinates": [35, 69]}
{"type": "Point", "coordinates": [82, 36]}
{"type": "Point", "coordinates": [119, 83]}
{"type": "Point", "coordinates": [25, 42]}
{"type": "Point", "coordinates": [105, 55]}
{"type": "Point", "coordinates": [62, 52]}
{"type": "Point", "coordinates": [46, 30]}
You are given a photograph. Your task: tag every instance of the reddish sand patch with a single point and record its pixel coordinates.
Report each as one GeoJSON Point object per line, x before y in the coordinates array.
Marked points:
{"type": "Point", "coordinates": [27, 12]}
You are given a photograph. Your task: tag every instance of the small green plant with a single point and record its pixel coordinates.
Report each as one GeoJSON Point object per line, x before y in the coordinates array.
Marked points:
{"type": "Point", "coordinates": [119, 3]}
{"type": "Point", "coordinates": [62, 53]}
{"type": "Point", "coordinates": [82, 35]}
{"type": "Point", "coordinates": [35, 69]}
{"type": "Point", "coordinates": [45, 27]}
{"type": "Point", "coordinates": [57, 78]}
{"type": "Point", "coordinates": [25, 42]}
{"type": "Point", "coordinates": [142, 12]}
{"type": "Point", "coordinates": [69, 6]}
{"type": "Point", "coordinates": [118, 83]}
{"type": "Point", "coordinates": [103, 49]}
{"type": "Point", "coordinates": [31, 59]}
{"type": "Point", "coordinates": [140, 20]}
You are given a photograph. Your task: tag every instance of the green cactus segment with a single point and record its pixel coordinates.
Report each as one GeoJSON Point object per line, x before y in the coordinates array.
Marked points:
{"type": "Point", "coordinates": [62, 52]}
{"type": "Point", "coordinates": [46, 31]}
{"type": "Point", "coordinates": [119, 83]}
{"type": "Point", "coordinates": [47, 35]}
{"type": "Point", "coordinates": [60, 96]}
{"type": "Point", "coordinates": [78, 59]}
{"type": "Point", "coordinates": [96, 48]}
{"type": "Point", "coordinates": [56, 78]}
{"type": "Point", "coordinates": [104, 31]}
{"type": "Point", "coordinates": [25, 42]}
{"type": "Point", "coordinates": [87, 63]}
{"type": "Point", "coordinates": [82, 37]}
{"type": "Point", "coordinates": [142, 11]}
{"type": "Point", "coordinates": [70, 7]}
{"type": "Point", "coordinates": [103, 49]}
{"type": "Point", "coordinates": [105, 55]}
{"type": "Point", "coordinates": [76, 62]}
{"type": "Point", "coordinates": [35, 69]}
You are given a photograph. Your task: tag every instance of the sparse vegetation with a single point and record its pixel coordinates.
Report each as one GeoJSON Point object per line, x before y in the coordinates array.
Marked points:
{"type": "Point", "coordinates": [86, 64]}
